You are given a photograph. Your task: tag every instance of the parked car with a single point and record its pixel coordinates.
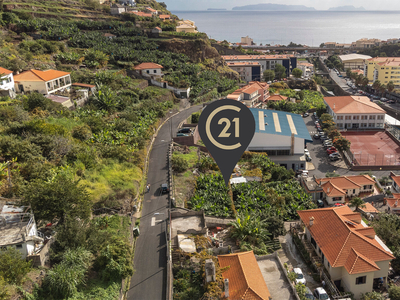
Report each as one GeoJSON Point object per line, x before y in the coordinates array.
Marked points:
{"type": "Point", "coordinates": [327, 145]}
{"type": "Point", "coordinates": [330, 151]}
{"type": "Point", "coordinates": [308, 294]}
{"type": "Point", "coordinates": [306, 151]}
{"type": "Point", "coordinates": [308, 157]}
{"type": "Point", "coordinates": [334, 154]}
{"type": "Point", "coordinates": [305, 115]}
{"type": "Point", "coordinates": [300, 277]}
{"type": "Point", "coordinates": [321, 294]}
{"type": "Point", "coordinates": [182, 134]}
{"type": "Point", "coordinates": [185, 130]}
{"type": "Point", "coordinates": [320, 203]}
{"type": "Point", "coordinates": [334, 158]}
{"type": "Point", "coordinates": [317, 136]}
{"type": "Point", "coordinates": [316, 122]}
{"type": "Point", "coordinates": [331, 148]}
{"type": "Point", "coordinates": [338, 204]}
{"type": "Point", "coordinates": [164, 188]}
{"type": "Point", "coordinates": [391, 101]}
{"type": "Point", "coordinates": [302, 172]}
{"type": "Point", "coordinates": [319, 129]}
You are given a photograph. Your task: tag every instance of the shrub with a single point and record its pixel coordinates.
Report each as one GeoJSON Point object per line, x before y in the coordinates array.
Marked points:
{"type": "Point", "coordinates": [82, 132]}
{"type": "Point", "coordinates": [13, 267]}
{"type": "Point", "coordinates": [115, 260]}
{"type": "Point", "coordinates": [195, 117]}
{"type": "Point", "coordinates": [179, 164]}
{"type": "Point", "coordinates": [394, 292]}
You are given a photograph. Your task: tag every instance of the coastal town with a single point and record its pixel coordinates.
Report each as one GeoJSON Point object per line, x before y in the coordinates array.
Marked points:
{"type": "Point", "coordinates": [107, 190]}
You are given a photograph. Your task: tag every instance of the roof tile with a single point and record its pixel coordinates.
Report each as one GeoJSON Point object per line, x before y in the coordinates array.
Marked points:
{"type": "Point", "coordinates": [245, 278]}
{"type": "Point", "coordinates": [148, 65]}
{"type": "Point", "coordinates": [353, 105]}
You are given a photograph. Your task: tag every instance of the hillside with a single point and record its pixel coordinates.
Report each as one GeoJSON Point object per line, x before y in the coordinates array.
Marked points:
{"type": "Point", "coordinates": [71, 164]}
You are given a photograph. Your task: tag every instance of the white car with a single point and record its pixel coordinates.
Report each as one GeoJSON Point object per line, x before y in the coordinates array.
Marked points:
{"type": "Point", "coordinates": [300, 277]}
{"type": "Point", "coordinates": [321, 294]}
{"type": "Point", "coordinates": [306, 152]}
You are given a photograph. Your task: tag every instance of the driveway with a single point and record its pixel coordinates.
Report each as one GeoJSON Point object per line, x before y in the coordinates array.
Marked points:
{"type": "Point", "coordinates": [150, 278]}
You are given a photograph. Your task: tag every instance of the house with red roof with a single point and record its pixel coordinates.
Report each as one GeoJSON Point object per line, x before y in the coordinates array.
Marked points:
{"type": "Point", "coordinates": [396, 181]}
{"type": "Point", "coordinates": [6, 80]}
{"type": "Point", "coordinates": [151, 11]}
{"type": "Point", "coordinates": [339, 189]}
{"type": "Point", "coordinates": [351, 252]}
{"type": "Point", "coordinates": [164, 17]}
{"type": "Point", "coordinates": [150, 69]}
{"type": "Point", "coordinates": [252, 94]}
{"type": "Point", "coordinates": [44, 82]}
{"type": "Point", "coordinates": [243, 278]}
{"type": "Point", "coordinates": [353, 112]}
{"type": "Point", "coordinates": [276, 98]}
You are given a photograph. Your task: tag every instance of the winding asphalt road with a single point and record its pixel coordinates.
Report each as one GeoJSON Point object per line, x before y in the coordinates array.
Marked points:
{"type": "Point", "coordinates": [150, 263]}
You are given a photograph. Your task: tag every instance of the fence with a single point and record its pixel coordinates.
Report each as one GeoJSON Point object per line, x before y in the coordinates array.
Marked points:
{"type": "Point", "coordinates": [168, 230]}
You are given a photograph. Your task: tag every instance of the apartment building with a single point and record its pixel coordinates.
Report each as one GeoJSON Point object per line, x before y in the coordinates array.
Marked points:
{"type": "Point", "coordinates": [384, 69]}
{"type": "Point", "coordinates": [267, 62]}
{"type": "Point", "coordinates": [248, 70]}
{"type": "Point", "coordinates": [353, 112]}
{"type": "Point", "coordinates": [366, 43]}
{"type": "Point", "coordinates": [246, 41]}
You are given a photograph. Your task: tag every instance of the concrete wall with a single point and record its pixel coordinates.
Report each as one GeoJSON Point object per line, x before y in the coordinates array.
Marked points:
{"type": "Point", "coordinates": [31, 86]}
{"type": "Point", "coordinates": [265, 141]}
{"type": "Point", "coordinates": [349, 283]}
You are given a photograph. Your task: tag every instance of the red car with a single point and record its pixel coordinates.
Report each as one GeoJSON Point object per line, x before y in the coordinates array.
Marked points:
{"type": "Point", "coordinates": [331, 151]}
{"type": "Point", "coordinates": [339, 204]}
{"type": "Point", "coordinates": [331, 148]}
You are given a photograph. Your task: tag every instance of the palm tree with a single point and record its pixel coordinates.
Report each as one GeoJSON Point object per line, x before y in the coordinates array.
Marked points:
{"type": "Point", "coordinates": [376, 85]}
{"type": "Point", "coordinates": [364, 81]}
{"type": "Point", "coordinates": [390, 86]}
{"type": "Point", "coordinates": [382, 88]}
{"type": "Point", "coordinates": [357, 202]}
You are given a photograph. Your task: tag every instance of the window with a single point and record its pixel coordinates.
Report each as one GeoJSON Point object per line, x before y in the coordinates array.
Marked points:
{"type": "Point", "coordinates": [364, 117]}
{"type": "Point", "coordinates": [361, 280]}
{"type": "Point", "coordinates": [340, 117]}
{"type": "Point", "coordinates": [380, 117]}
{"type": "Point", "coordinates": [337, 199]}
{"type": "Point", "coordinates": [371, 125]}
{"type": "Point", "coordinates": [356, 117]}
{"type": "Point", "coordinates": [148, 71]}
{"type": "Point", "coordinates": [379, 125]}
{"type": "Point", "coordinates": [339, 125]}
{"type": "Point", "coordinates": [18, 246]}
{"type": "Point", "coordinates": [155, 71]}
{"type": "Point", "coordinates": [348, 117]}
{"type": "Point", "coordinates": [354, 191]}
{"type": "Point", "coordinates": [372, 117]}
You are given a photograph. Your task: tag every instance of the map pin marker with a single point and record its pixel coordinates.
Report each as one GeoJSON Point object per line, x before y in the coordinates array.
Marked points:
{"type": "Point", "coordinates": [226, 127]}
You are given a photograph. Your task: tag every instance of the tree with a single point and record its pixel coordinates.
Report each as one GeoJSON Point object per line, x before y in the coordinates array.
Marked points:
{"type": "Point", "coordinates": [249, 229]}
{"type": "Point", "coordinates": [13, 267]}
{"type": "Point", "coordinates": [359, 79]}
{"type": "Point", "coordinates": [394, 292]}
{"type": "Point", "coordinates": [372, 296]}
{"type": "Point", "coordinates": [357, 202]}
{"type": "Point", "coordinates": [179, 164]}
{"type": "Point", "coordinates": [297, 72]}
{"type": "Point", "coordinates": [390, 86]}
{"type": "Point", "coordinates": [376, 85]}
{"type": "Point", "coordinates": [326, 117]}
{"type": "Point", "coordinates": [382, 88]}
{"type": "Point", "coordinates": [35, 100]}
{"type": "Point", "coordinates": [280, 71]}
{"type": "Point", "coordinates": [348, 72]}
{"type": "Point", "coordinates": [321, 109]}
{"type": "Point", "coordinates": [382, 54]}
{"type": "Point", "coordinates": [341, 143]}
{"type": "Point", "coordinates": [269, 75]}
{"type": "Point", "coordinates": [58, 199]}
{"type": "Point", "coordinates": [387, 227]}
{"type": "Point", "coordinates": [364, 81]}
{"type": "Point", "coordinates": [334, 134]}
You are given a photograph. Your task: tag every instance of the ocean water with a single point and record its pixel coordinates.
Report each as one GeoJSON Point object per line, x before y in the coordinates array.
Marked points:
{"type": "Point", "coordinates": [302, 27]}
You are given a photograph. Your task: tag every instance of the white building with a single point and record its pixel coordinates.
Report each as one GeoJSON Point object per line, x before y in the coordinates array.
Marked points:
{"type": "Point", "coordinates": [353, 61]}
{"type": "Point", "coordinates": [352, 112]}
{"type": "Point", "coordinates": [6, 80]}
{"type": "Point", "coordinates": [44, 82]}
{"type": "Point", "coordinates": [117, 9]}
{"type": "Point", "coordinates": [350, 251]}
{"type": "Point", "coordinates": [306, 68]}
{"type": "Point", "coordinates": [150, 70]}
{"type": "Point", "coordinates": [282, 136]}
{"type": "Point", "coordinates": [18, 229]}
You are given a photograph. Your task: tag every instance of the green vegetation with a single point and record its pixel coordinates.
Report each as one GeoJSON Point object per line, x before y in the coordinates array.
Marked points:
{"type": "Point", "coordinates": [297, 72]}
{"type": "Point", "coordinates": [333, 62]}
{"type": "Point", "coordinates": [12, 267]}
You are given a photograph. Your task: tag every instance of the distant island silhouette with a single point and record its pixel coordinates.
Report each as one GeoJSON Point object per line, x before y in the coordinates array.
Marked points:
{"type": "Point", "coordinates": [274, 7]}
{"type": "Point", "coordinates": [346, 8]}
{"type": "Point", "coordinates": [216, 9]}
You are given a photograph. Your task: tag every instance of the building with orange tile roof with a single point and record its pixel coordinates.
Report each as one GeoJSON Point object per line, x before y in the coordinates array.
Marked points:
{"type": "Point", "coordinates": [151, 10]}
{"type": "Point", "coordinates": [164, 17]}
{"type": "Point", "coordinates": [338, 189]}
{"type": "Point", "coordinates": [276, 98]}
{"type": "Point", "coordinates": [245, 278]}
{"type": "Point", "coordinates": [396, 181]}
{"type": "Point", "coordinates": [252, 94]}
{"type": "Point", "coordinates": [353, 112]}
{"type": "Point", "coordinates": [350, 250]}
{"type": "Point", "coordinates": [44, 82]}
{"type": "Point", "coordinates": [150, 69]}
{"type": "Point", "coordinates": [368, 209]}
{"type": "Point", "coordinates": [248, 71]}
{"type": "Point", "coordinates": [6, 80]}
{"type": "Point", "coordinates": [141, 14]}
{"type": "Point", "coordinates": [267, 62]}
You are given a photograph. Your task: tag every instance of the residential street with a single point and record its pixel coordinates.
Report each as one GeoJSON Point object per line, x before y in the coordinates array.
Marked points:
{"type": "Point", "coordinates": [150, 277]}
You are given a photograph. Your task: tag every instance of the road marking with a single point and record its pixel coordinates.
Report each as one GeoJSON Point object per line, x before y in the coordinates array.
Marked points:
{"type": "Point", "coordinates": [153, 221]}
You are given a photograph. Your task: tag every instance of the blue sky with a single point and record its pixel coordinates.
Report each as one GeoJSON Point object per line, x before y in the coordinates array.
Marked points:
{"type": "Point", "coordinates": [318, 4]}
